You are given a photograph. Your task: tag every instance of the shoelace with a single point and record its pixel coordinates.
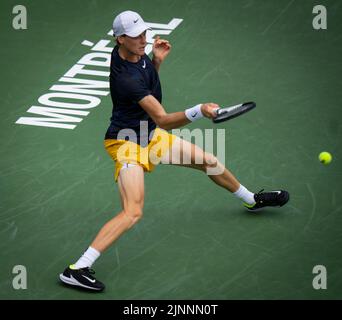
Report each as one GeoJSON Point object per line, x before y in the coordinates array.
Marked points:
{"type": "Point", "coordinates": [89, 271]}
{"type": "Point", "coordinates": [266, 197]}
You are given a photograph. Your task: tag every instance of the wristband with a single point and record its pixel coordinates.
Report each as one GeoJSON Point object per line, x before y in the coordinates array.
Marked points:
{"type": "Point", "coordinates": [194, 113]}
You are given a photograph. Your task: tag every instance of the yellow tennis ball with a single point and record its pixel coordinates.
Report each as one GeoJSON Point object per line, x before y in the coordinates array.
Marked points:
{"type": "Point", "coordinates": [325, 157]}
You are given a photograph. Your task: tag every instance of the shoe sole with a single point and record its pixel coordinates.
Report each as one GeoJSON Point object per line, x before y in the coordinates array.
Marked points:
{"type": "Point", "coordinates": [75, 283]}
{"type": "Point", "coordinates": [255, 210]}
{"type": "Point", "coordinates": [263, 208]}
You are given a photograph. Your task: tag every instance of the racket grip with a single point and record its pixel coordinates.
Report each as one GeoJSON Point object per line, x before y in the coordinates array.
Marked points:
{"type": "Point", "coordinates": [217, 111]}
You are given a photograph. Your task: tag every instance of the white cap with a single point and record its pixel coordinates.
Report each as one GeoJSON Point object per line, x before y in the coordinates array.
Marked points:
{"type": "Point", "coordinates": [129, 23]}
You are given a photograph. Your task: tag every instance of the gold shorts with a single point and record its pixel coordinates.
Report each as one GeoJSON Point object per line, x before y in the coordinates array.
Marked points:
{"type": "Point", "coordinates": [122, 151]}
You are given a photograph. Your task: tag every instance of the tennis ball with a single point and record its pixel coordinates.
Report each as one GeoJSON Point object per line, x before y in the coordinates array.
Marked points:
{"type": "Point", "coordinates": [325, 157]}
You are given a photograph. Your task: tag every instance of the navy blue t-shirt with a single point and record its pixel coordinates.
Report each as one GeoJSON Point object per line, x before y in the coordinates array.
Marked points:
{"type": "Point", "coordinates": [129, 83]}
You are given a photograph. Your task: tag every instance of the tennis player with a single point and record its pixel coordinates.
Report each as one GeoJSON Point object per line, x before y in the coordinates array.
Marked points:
{"type": "Point", "coordinates": [137, 96]}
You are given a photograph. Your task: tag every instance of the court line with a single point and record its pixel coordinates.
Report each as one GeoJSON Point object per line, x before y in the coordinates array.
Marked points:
{"type": "Point", "coordinates": [278, 17]}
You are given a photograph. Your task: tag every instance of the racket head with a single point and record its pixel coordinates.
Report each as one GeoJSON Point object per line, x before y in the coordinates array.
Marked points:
{"type": "Point", "coordinates": [228, 113]}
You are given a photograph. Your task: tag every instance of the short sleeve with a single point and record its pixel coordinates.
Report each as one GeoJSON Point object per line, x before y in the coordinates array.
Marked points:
{"type": "Point", "coordinates": [134, 88]}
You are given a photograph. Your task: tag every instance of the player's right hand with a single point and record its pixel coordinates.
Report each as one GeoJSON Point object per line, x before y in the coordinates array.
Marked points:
{"type": "Point", "coordinates": [209, 109]}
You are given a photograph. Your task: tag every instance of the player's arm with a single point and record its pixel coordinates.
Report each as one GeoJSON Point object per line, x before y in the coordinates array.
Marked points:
{"type": "Point", "coordinates": [174, 120]}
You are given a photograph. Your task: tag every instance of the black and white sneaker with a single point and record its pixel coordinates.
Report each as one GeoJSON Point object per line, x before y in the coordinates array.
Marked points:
{"type": "Point", "coordinates": [81, 278]}
{"type": "Point", "coordinates": [268, 199]}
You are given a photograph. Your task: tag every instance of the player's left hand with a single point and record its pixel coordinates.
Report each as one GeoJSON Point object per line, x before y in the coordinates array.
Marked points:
{"type": "Point", "coordinates": [161, 48]}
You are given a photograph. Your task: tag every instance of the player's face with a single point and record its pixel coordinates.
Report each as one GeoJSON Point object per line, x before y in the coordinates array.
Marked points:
{"type": "Point", "coordinates": [137, 44]}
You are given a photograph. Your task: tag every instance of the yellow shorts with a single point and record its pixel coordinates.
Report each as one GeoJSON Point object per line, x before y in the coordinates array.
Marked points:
{"type": "Point", "coordinates": [122, 151]}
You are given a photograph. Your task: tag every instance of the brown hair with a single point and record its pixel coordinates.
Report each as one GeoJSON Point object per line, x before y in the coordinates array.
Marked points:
{"type": "Point", "coordinates": [116, 39]}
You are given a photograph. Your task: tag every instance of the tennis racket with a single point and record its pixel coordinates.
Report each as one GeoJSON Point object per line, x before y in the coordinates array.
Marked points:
{"type": "Point", "coordinates": [227, 113]}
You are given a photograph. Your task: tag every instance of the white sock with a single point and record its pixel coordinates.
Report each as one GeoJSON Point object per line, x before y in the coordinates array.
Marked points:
{"type": "Point", "coordinates": [87, 259]}
{"type": "Point", "coordinates": [245, 195]}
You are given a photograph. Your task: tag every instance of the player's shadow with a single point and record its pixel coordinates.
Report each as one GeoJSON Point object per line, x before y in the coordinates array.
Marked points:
{"type": "Point", "coordinates": [265, 213]}
{"type": "Point", "coordinates": [76, 288]}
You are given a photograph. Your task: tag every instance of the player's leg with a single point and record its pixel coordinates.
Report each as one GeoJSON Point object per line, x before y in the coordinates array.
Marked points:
{"type": "Point", "coordinates": [131, 187]}
{"type": "Point", "coordinates": [186, 154]}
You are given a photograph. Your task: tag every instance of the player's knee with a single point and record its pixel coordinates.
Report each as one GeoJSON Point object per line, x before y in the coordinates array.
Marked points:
{"type": "Point", "coordinates": [134, 214]}
{"type": "Point", "coordinates": [210, 161]}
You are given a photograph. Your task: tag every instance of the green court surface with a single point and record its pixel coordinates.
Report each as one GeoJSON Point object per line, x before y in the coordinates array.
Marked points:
{"type": "Point", "coordinates": [195, 241]}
